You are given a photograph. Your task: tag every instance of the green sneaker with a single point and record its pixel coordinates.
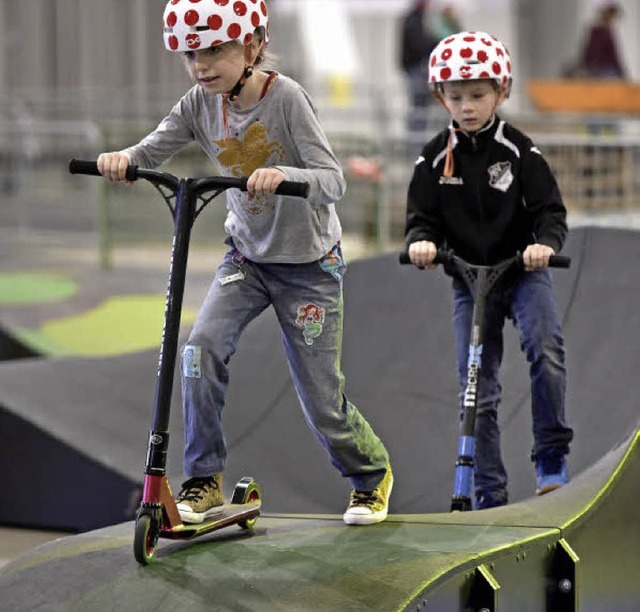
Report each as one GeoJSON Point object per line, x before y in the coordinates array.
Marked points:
{"type": "Point", "coordinates": [200, 498]}
{"type": "Point", "coordinates": [369, 507]}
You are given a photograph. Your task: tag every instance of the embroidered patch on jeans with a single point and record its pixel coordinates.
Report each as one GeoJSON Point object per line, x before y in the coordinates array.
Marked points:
{"type": "Point", "coordinates": [310, 318]}
{"type": "Point", "coordinates": [191, 360]}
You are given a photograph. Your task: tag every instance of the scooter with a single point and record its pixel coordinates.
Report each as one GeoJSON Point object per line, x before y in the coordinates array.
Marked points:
{"type": "Point", "coordinates": [158, 515]}
{"type": "Point", "coordinates": [480, 280]}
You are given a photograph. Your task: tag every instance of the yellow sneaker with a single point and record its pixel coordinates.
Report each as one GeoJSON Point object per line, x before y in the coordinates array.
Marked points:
{"type": "Point", "coordinates": [369, 507]}
{"type": "Point", "coordinates": [200, 498]}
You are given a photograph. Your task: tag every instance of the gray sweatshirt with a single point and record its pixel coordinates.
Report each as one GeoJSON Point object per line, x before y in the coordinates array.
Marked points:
{"type": "Point", "coordinates": [282, 130]}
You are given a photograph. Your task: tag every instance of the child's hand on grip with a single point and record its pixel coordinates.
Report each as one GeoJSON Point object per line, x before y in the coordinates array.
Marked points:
{"type": "Point", "coordinates": [113, 166]}
{"type": "Point", "coordinates": [422, 254]}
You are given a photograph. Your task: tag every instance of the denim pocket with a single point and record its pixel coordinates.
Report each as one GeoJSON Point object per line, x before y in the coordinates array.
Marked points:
{"type": "Point", "coordinates": [333, 263]}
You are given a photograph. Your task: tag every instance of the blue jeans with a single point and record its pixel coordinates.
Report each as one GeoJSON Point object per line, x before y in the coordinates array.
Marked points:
{"type": "Point", "coordinates": [308, 302]}
{"type": "Point", "coordinates": [530, 304]}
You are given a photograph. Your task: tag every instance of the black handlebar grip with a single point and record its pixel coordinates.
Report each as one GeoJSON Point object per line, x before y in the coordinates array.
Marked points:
{"type": "Point", "coordinates": [440, 258]}
{"type": "Point", "coordinates": [287, 188]}
{"type": "Point", "coordinates": [81, 166]}
{"type": "Point", "coordinates": [403, 258]}
{"type": "Point", "coordinates": [559, 261]}
{"type": "Point", "coordinates": [293, 188]}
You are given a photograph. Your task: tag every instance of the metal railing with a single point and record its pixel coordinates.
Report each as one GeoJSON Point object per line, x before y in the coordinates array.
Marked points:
{"type": "Point", "coordinates": [38, 198]}
{"type": "Point", "coordinates": [595, 163]}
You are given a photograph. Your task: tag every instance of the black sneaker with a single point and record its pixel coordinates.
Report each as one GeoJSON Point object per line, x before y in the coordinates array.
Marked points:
{"type": "Point", "coordinates": [491, 499]}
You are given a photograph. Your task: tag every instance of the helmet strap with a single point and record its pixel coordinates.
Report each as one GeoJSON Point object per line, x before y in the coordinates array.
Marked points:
{"type": "Point", "coordinates": [249, 61]}
{"type": "Point", "coordinates": [233, 95]}
{"type": "Point", "coordinates": [237, 88]}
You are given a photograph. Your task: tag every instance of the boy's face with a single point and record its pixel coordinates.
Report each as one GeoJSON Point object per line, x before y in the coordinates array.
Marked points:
{"type": "Point", "coordinates": [472, 103]}
{"type": "Point", "coordinates": [218, 68]}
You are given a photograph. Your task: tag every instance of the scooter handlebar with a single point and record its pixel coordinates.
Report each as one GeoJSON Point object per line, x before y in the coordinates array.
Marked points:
{"type": "Point", "coordinates": [555, 261]}
{"type": "Point", "coordinates": [82, 166]}
{"type": "Point", "coordinates": [559, 261]}
{"type": "Point", "coordinates": [286, 188]}
{"type": "Point", "coordinates": [440, 258]}
{"type": "Point", "coordinates": [133, 173]}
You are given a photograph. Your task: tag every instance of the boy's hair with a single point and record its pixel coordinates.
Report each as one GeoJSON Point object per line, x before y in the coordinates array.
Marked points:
{"type": "Point", "coordinates": [439, 87]}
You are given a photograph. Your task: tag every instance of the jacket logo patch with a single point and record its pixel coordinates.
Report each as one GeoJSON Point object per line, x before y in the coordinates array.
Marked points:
{"type": "Point", "coordinates": [451, 180]}
{"type": "Point", "coordinates": [500, 176]}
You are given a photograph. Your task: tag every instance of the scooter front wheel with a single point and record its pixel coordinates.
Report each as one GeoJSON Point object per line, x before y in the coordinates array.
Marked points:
{"type": "Point", "coordinates": [145, 540]}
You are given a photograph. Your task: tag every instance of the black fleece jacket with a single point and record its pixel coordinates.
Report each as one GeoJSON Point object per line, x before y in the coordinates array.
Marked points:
{"type": "Point", "coordinates": [502, 196]}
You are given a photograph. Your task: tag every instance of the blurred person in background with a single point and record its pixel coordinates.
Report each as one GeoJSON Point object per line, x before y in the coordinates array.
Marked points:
{"type": "Point", "coordinates": [416, 43]}
{"type": "Point", "coordinates": [601, 59]}
{"type": "Point", "coordinates": [283, 252]}
{"type": "Point", "coordinates": [446, 22]}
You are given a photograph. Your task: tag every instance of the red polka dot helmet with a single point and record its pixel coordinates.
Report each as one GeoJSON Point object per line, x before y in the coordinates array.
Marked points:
{"type": "Point", "coordinates": [198, 24]}
{"type": "Point", "coordinates": [468, 56]}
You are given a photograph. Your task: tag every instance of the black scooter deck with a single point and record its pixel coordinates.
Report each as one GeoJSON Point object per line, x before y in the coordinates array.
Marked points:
{"type": "Point", "coordinates": [231, 514]}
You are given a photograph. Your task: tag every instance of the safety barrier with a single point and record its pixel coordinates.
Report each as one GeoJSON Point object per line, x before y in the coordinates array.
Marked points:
{"type": "Point", "coordinates": [594, 162]}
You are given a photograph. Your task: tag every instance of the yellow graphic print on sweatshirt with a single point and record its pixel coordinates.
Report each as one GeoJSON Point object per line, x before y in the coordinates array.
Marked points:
{"type": "Point", "coordinates": [242, 157]}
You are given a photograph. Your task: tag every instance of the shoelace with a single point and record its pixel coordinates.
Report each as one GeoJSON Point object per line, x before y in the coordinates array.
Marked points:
{"type": "Point", "coordinates": [364, 498]}
{"type": "Point", "coordinates": [194, 489]}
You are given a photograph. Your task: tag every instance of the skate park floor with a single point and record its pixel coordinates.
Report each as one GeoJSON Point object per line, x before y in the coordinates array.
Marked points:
{"type": "Point", "coordinates": [399, 369]}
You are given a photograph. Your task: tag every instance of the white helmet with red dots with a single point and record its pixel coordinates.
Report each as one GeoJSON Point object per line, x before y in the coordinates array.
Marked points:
{"type": "Point", "coordinates": [468, 56]}
{"type": "Point", "coordinates": [190, 25]}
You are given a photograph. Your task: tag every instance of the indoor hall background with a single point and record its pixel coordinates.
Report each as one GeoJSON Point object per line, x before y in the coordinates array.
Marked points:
{"type": "Point", "coordinates": [78, 76]}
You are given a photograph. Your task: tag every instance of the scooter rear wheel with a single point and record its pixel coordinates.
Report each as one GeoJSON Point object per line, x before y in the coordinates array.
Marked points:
{"type": "Point", "coordinates": [145, 540]}
{"type": "Point", "coordinates": [247, 491]}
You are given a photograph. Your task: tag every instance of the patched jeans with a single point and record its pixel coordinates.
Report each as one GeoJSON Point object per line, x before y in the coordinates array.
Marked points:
{"type": "Point", "coordinates": [307, 299]}
{"type": "Point", "coordinates": [531, 306]}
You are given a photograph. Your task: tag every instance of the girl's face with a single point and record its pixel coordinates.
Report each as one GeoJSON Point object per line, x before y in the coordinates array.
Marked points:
{"type": "Point", "coordinates": [472, 103]}
{"type": "Point", "coordinates": [218, 68]}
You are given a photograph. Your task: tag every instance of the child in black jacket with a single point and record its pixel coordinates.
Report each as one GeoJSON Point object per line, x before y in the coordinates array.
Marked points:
{"type": "Point", "coordinates": [483, 189]}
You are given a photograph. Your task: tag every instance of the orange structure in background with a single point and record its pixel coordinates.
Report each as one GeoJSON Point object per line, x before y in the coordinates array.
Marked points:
{"type": "Point", "coordinates": [585, 96]}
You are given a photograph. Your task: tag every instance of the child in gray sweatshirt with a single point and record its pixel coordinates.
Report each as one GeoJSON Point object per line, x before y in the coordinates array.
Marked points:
{"type": "Point", "coordinates": [283, 251]}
